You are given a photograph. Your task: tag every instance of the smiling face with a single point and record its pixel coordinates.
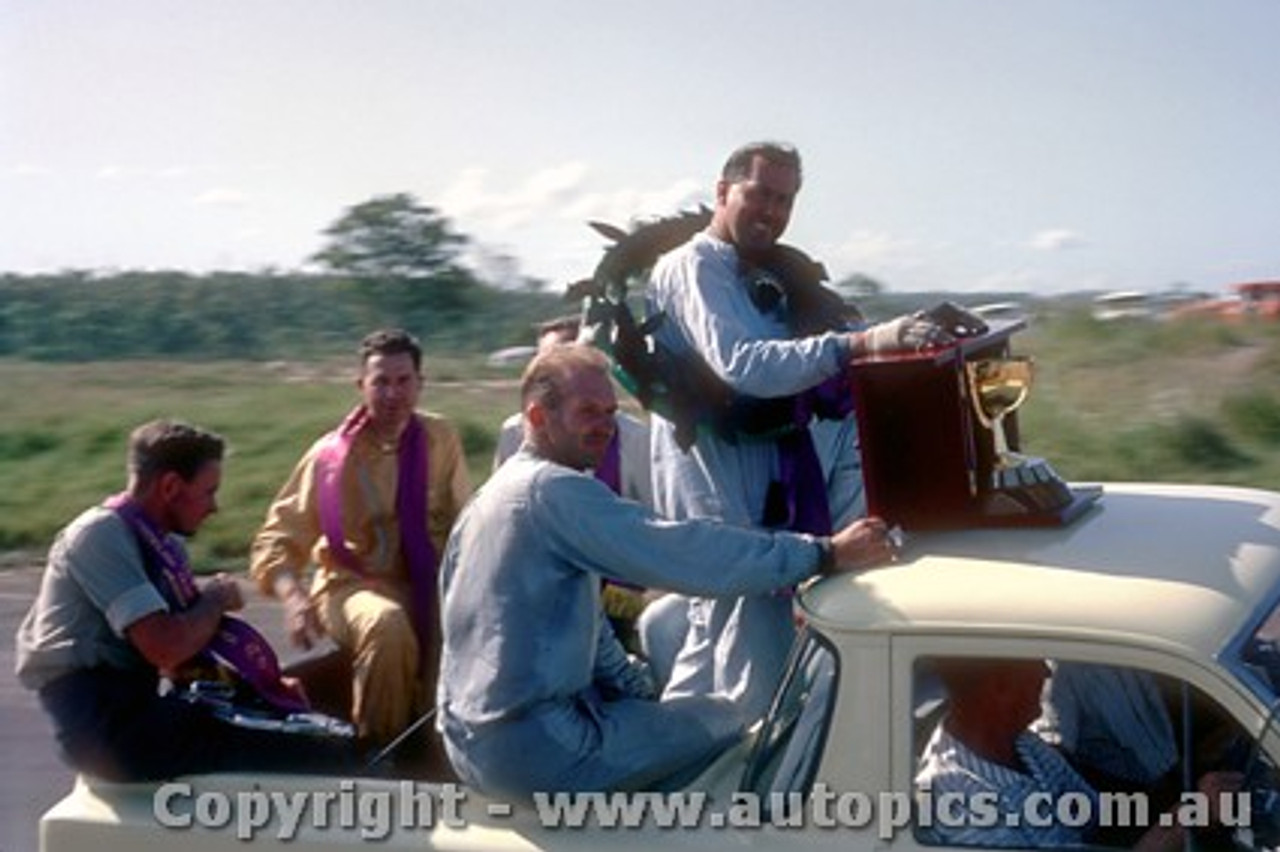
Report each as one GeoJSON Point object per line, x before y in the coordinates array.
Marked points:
{"type": "Point", "coordinates": [576, 429]}
{"type": "Point", "coordinates": [752, 212]}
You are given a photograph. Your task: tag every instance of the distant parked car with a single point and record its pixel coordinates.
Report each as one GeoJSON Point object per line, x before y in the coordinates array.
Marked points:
{"type": "Point", "coordinates": [1261, 298]}
{"type": "Point", "coordinates": [1000, 310]}
{"type": "Point", "coordinates": [1122, 305]}
{"type": "Point", "coordinates": [511, 356]}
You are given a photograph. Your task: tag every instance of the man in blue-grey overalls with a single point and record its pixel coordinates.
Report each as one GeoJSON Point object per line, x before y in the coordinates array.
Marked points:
{"type": "Point", "coordinates": [536, 693]}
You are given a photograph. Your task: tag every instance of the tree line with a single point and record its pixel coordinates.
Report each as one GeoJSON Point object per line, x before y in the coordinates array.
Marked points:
{"type": "Point", "coordinates": [77, 316]}
{"type": "Point", "coordinates": [388, 261]}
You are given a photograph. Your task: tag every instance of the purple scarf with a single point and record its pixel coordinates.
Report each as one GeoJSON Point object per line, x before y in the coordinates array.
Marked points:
{"type": "Point", "coordinates": [236, 644]}
{"type": "Point", "coordinates": [609, 471]}
{"type": "Point", "coordinates": [411, 511]}
{"type": "Point", "coordinates": [802, 489]}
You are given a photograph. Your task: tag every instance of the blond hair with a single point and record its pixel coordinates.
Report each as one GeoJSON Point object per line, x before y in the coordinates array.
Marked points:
{"type": "Point", "coordinates": [544, 378]}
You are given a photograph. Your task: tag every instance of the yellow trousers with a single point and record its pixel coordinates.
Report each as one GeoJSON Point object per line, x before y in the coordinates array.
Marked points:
{"type": "Point", "coordinates": [388, 691]}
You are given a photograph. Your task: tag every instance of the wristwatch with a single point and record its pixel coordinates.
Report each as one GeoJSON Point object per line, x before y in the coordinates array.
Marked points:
{"type": "Point", "coordinates": [827, 556]}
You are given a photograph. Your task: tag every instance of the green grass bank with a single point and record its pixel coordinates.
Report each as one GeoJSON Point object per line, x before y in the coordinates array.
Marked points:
{"type": "Point", "coordinates": [1187, 401]}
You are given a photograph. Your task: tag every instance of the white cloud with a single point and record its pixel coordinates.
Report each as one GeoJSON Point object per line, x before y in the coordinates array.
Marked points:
{"type": "Point", "coordinates": [466, 195]}
{"type": "Point", "coordinates": [553, 183]}
{"type": "Point", "coordinates": [115, 171]}
{"type": "Point", "coordinates": [1056, 239]}
{"type": "Point", "coordinates": [872, 251]}
{"type": "Point", "coordinates": [624, 207]}
{"type": "Point", "coordinates": [221, 197]}
{"type": "Point", "coordinates": [30, 170]}
{"type": "Point", "coordinates": [542, 220]}
{"type": "Point", "coordinates": [172, 171]}
{"type": "Point", "coordinates": [561, 192]}
{"type": "Point", "coordinates": [542, 194]}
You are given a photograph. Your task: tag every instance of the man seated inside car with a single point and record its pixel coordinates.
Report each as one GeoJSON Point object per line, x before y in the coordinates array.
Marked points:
{"type": "Point", "coordinates": [982, 765]}
{"type": "Point", "coordinates": [1113, 724]}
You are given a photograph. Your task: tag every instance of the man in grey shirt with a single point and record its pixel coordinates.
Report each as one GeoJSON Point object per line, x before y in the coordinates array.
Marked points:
{"type": "Point", "coordinates": [535, 692]}
{"type": "Point", "coordinates": [118, 608]}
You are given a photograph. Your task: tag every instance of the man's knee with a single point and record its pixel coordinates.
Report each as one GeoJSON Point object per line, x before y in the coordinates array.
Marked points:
{"type": "Point", "coordinates": [377, 622]}
{"type": "Point", "coordinates": [391, 622]}
{"type": "Point", "coordinates": [662, 626]}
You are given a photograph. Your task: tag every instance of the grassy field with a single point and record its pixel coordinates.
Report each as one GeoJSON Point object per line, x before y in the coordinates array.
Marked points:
{"type": "Point", "coordinates": [1190, 401]}
{"type": "Point", "coordinates": [63, 430]}
{"type": "Point", "coordinates": [1156, 401]}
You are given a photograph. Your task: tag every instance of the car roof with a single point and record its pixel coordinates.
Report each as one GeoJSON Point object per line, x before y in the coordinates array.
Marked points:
{"type": "Point", "coordinates": [1187, 565]}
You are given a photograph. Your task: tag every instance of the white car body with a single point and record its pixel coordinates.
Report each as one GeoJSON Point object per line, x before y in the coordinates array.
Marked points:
{"type": "Point", "coordinates": [1178, 581]}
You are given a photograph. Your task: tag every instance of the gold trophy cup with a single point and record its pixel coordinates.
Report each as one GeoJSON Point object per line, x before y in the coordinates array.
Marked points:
{"type": "Point", "coordinates": [1019, 483]}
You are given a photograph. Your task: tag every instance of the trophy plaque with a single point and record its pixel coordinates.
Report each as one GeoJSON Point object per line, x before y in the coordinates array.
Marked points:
{"type": "Point", "coordinates": [940, 440]}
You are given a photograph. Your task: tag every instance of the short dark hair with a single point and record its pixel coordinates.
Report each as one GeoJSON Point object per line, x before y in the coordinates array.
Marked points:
{"type": "Point", "coordinates": [738, 166]}
{"type": "Point", "coordinates": [160, 446]}
{"type": "Point", "coordinates": [965, 675]}
{"type": "Point", "coordinates": [391, 341]}
{"type": "Point", "coordinates": [544, 375]}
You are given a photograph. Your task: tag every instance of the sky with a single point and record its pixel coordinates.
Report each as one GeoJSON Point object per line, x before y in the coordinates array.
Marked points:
{"type": "Point", "coordinates": [1039, 146]}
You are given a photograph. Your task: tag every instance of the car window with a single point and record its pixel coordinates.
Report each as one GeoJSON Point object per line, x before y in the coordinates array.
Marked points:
{"type": "Point", "coordinates": [1257, 654]}
{"type": "Point", "coordinates": [786, 753]}
{"type": "Point", "coordinates": [1002, 744]}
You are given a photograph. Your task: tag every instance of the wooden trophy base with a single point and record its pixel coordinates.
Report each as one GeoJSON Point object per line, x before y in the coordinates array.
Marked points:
{"type": "Point", "coordinates": [927, 460]}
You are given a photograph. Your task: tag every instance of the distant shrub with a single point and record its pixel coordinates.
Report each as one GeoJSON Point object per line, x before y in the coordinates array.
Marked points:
{"type": "Point", "coordinates": [1202, 445]}
{"type": "Point", "coordinates": [478, 439]}
{"type": "Point", "coordinates": [26, 443]}
{"type": "Point", "coordinates": [16, 540]}
{"type": "Point", "coordinates": [1192, 336]}
{"type": "Point", "coordinates": [1255, 415]}
{"type": "Point", "coordinates": [1269, 362]}
{"type": "Point", "coordinates": [1169, 452]}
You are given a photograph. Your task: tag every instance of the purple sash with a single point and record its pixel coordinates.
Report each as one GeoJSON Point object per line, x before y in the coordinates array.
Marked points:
{"type": "Point", "coordinates": [609, 471]}
{"type": "Point", "coordinates": [802, 486]}
{"type": "Point", "coordinates": [804, 489]}
{"type": "Point", "coordinates": [236, 644]}
{"type": "Point", "coordinates": [412, 476]}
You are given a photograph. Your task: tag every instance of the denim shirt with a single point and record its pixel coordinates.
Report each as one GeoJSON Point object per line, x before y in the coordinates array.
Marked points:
{"type": "Point", "coordinates": [520, 581]}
